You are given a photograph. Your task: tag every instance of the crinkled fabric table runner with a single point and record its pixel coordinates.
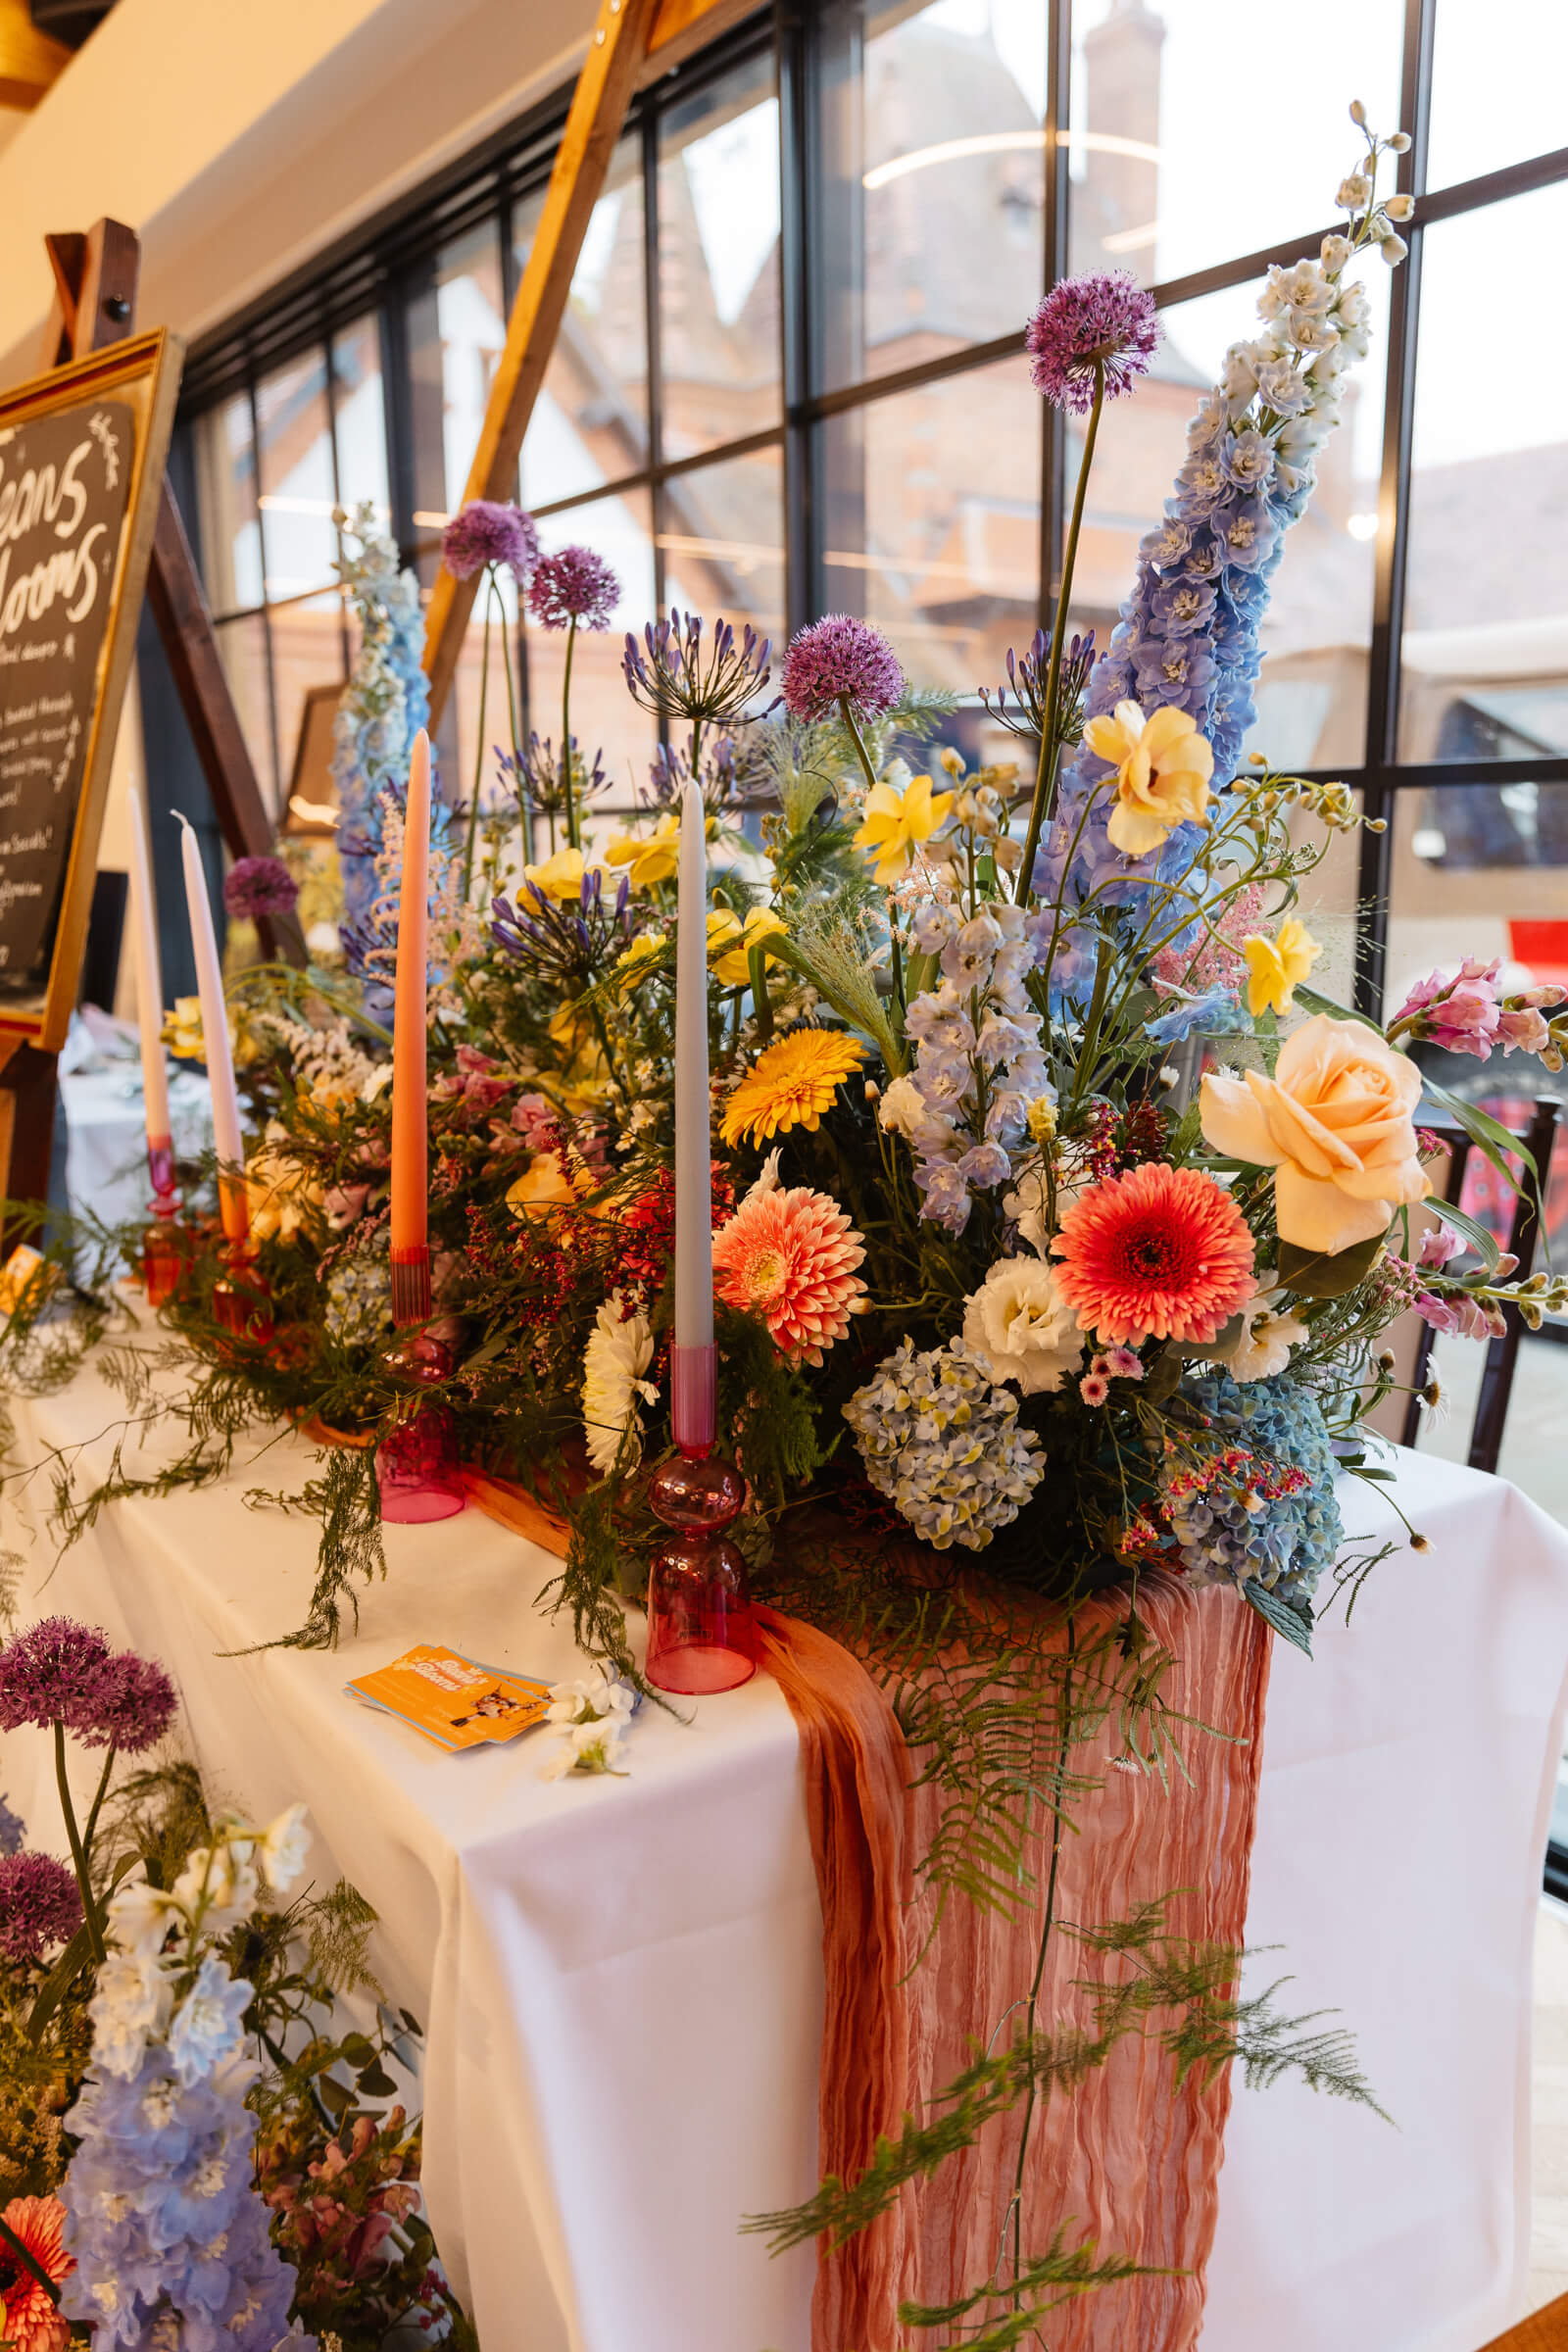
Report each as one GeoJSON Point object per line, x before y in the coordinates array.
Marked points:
{"type": "Point", "coordinates": [622, 1982]}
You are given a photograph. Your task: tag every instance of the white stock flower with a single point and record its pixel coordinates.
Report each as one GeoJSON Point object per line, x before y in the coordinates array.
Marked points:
{"type": "Point", "coordinates": [618, 1352]}
{"type": "Point", "coordinates": [587, 1747]}
{"type": "Point", "coordinates": [1020, 1323]}
{"type": "Point", "coordinates": [1352, 192]}
{"type": "Point", "coordinates": [129, 2007]}
{"type": "Point", "coordinates": [1334, 253]}
{"type": "Point", "coordinates": [597, 1694]}
{"type": "Point", "coordinates": [284, 1847]}
{"type": "Point", "coordinates": [902, 1108]}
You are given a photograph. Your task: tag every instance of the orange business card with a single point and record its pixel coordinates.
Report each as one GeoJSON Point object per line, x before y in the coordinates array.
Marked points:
{"type": "Point", "coordinates": [453, 1700]}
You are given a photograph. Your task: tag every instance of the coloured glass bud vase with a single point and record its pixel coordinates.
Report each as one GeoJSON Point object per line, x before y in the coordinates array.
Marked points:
{"type": "Point", "coordinates": [702, 1637]}
{"type": "Point", "coordinates": [166, 1244]}
{"type": "Point", "coordinates": [242, 1303]}
{"type": "Point", "coordinates": [417, 1465]}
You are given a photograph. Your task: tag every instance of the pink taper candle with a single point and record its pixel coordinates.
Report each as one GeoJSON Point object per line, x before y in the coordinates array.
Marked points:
{"type": "Point", "coordinates": [411, 1139]}
{"type": "Point", "coordinates": [232, 1199]}
{"type": "Point", "coordinates": [693, 1369]}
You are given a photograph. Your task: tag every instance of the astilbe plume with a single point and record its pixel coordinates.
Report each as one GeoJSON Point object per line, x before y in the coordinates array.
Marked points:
{"type": "Point", "coordinates": [1105, 320]}
{"type": "Point", "coordinates": [573, 585]}
{"type": "Point", "coordinates": [839, 659]}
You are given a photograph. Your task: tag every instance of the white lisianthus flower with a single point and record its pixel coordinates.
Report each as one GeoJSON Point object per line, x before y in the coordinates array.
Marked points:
{"type": "Point", "coordinates": [618, 1352]}
{"type": "Point", "coordinates": [592, 1698]}
{"type": "Point", "coordinates": [284, 1847]}
{"type": "Point", "coordinates": [902, 1108]}
{"type": "Point", "coordinates": [587, 1747]}
{"type": "Point", "coordinates": [130, 2008]}
{"type": "Point", "coordinates": [140, 1918]}
{"type": "Point", "coordinates": [1019, 1322]}
{"type": "Point", "coordinates": [1267, 1336]}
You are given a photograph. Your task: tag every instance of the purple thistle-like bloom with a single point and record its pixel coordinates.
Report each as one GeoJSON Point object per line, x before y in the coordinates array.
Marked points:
{"type": "Point", "coordinates": [259, 886]}
{"type": "Point", "coordinates": [838, 656]}
{"type": "Point", "coordinates": [40, 1905]}
{"type": "Point", "coordinates": [51, 1672]}
{"type": "Point", "coordinates": [573, 585]}
{"type": "Point", "coordinates": [1104, 316]}
{"type": "Point", "coordinates": [490, 532]}
{"type": "Point", "coordinates": [135, 1705]}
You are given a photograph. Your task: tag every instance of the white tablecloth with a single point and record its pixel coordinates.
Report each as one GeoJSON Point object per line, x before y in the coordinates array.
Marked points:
{"type": "Point", "coordinates": [620, 1979]}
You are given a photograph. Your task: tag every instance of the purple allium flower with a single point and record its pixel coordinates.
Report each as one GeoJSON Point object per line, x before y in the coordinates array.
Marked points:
{"type": "Point", "coordinates": [39, 1905]}
{"type": "Point", "coordinates": [52, 1672]}
{"type": "Point", "coordinates": [573, 585]}
{"type": "Point", "coordinates": [837, 657]}
{"type": "Point", "coordinates": [133, 1705]}
{"type": "Point", "coordinates": [1105, 315]}
{"type": "Point", "coordinates": [256, 886]}
{"type": "Point", "coordinates": [490, 532]}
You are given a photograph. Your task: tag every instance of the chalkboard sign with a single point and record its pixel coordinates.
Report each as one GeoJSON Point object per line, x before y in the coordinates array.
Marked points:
{"type": "Point", "coordinates": [81, 468]}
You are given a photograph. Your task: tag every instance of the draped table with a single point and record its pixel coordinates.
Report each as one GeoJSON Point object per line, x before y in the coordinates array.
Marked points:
{"type": "Point", "coordinates": [621, 1980]}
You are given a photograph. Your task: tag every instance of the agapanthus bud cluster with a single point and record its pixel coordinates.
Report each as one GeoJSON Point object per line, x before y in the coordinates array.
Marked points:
{"type": "Point", "coordinates": [568, 944]}
{"type": "Point", "coordinates": [942, 1442]}
{"type": "Point", "coordinates": [964, 1106]}
{"type": "Point", "coordinates": [679, 671]}
{"type": "Point", "coordinates": [1029, 680]}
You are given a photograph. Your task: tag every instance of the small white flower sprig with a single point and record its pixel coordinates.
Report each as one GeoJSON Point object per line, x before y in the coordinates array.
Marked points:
{"type": "Point", "coordinates": [160, 1982]}
{"type": "Point", "coordinates": [595, 1715]}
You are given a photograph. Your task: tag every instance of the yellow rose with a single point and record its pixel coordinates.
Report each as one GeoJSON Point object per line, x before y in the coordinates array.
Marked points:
{"type": "Point", "coordinates": [652, 857]}
{"type": "Point", "coordinates": [1162, 769]}
{"type": "Point", "coordinates": [897, 823]}
{"type": "Point", "coordinates": [1275, 965]}
{"type": "Point", "coordinates": [725, 932]}
{"type": "Point", "coordinates": [1334, 1123]}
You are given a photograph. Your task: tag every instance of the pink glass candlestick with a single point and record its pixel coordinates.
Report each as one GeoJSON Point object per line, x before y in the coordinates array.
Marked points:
{"type": "Point", "coordinates": [242, 1303]}
{"type": "Point", "coordinates": [417, 1466]}
{"type": "Point", "coordinates": [166, 1244]}
{"type": "Point", "coordinates": [700, 1633]}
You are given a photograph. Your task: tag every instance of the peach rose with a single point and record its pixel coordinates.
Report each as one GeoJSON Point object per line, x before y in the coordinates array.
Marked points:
{"type": "Point", "coordinates": [1334, 1123]}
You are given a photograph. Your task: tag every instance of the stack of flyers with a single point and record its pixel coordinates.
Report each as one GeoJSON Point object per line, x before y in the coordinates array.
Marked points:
{"type": "Point", "coordinates": [452, 1700]}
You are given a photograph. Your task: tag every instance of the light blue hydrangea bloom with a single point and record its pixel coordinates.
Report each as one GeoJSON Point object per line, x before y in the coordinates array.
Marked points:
{"type": "Point", "coordinates": [942, 1443]}
{"type": "Point", "coordinates": [1286, 1546]}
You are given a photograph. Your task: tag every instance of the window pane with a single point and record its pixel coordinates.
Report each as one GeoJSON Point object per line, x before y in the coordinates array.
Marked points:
{"type": "Point", "coordinates": [1497, 76]}
{"type": "Point", "coordinates": [297, 493]}
{"type": "Point", "coordinates": [242, 650]}
{"type": "Point", "coordinates": [933, 164]}
{"type": "Point", "coordinates": [1164, 179]}
{"type": "Point", "coordinates": [932, 524]}
{"type": "Point", "coordinates": [1317, 627]}
{"type": "Point", "coordinates": [719, 221]}
{"type": "Point", "coordinates": [231, 538]}
{"type": "Point", "coordinates": [470, 315]}
{"type": "Point", "coordinates": [723, 544]}
{"type": "Point", "coordinates": [590, 423]}
{"type": "Point", "coordinates": [604, 716]}
{"type": "Point", "coordinates": [1479, 869]}
{"type": "Point", "coordinates": [359, 419]}
{"type": "Point", "coordinates": [1485, 642]}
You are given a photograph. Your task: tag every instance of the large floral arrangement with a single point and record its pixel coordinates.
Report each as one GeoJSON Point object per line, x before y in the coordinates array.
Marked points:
{"type": "Point", "coordinates": [995, 1281]}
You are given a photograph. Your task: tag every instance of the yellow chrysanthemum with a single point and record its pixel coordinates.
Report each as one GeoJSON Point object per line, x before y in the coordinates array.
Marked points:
{"type": "Point", "coordinates": [897, 823]}
{"type": "Point", "coordinates": [1275, 965]}
{"type": "Point", "coordinates": [1163, 770]}
{"type": "Point", "coordinates": [732, 943]}
{"type": "Point", "coordinates": [791, 1084]}
{"type": "Point", "coordinates": [561, 876]}
{"type": "Point", "coordinates": [652, 857]}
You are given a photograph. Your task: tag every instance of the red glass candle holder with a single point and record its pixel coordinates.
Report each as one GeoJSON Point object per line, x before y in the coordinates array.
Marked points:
{"type": "Point", "coordinates": [702, 1637]}
{"type": "Point", "coordinates": [242, 1303]}
{"type": "Point", "coordinates": [166, 1244]}
{"type": "Point", "coordinates": [417, 1464]}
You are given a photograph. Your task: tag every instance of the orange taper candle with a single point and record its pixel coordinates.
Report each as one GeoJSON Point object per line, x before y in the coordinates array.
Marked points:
{"type": "Point", "coordinates": [410, 1138]}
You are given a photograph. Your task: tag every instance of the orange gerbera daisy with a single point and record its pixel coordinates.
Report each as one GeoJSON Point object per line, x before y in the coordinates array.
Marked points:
{"type": "Point", "coordinates": [791, 1084]}
{"type": "Point", "coordinates": [1159, 1254]}
{"type": "Point", "coordinates": [790, 1256]}
{"type": "Point", "coordinates": [31, 2322]}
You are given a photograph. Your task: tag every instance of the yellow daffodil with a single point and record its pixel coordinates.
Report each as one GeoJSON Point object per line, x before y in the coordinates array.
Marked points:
{"type": "Point", "coordinates": [652, 857]}
{"type": "Point", "coordinates": [726, 933]}
{"type": "Point", "coordinates": [1163, 770]}
{"type": "Point", "coordinates": [897, 823]}
{"type": "Point", "coordinates": [562, 876]}
{"type": "Point", "coordinates": [633, 962]}
{"type": "Point", "coordinates": [1275, 965]}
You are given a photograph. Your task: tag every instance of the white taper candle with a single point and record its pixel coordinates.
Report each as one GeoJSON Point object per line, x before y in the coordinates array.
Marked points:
{"type": "Point", "coordinates": [214, 1038]}
{"type": "Point", "coordinates": [149, 980]}
{"type": "Point", "coordinates": [694, 1157]}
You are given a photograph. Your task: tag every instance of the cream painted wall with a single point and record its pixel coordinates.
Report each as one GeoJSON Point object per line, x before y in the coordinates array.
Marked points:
{"type": "Point", "coordinates": [239, 139]}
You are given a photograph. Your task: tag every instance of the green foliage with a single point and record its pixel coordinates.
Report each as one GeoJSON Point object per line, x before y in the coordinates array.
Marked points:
{"type": "Point", "coordinates": [347, 1501]}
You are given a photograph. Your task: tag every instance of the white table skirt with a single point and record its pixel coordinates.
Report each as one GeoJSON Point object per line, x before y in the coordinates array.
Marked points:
{"type": "Point", "coordinates": [620, 1981]}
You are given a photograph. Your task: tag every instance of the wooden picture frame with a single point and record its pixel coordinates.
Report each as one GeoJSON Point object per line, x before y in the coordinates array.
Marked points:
{"type": "Point", "coordinates": [124, 396]}
{"type": "Point", "coordinates": [311, 810]}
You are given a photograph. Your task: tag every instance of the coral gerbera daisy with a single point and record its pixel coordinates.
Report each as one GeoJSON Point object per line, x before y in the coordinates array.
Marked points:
{"type": "Point", "coordinates": [31, 2322]}
{"type": "Point", "coordinates": [1159, 1254]}
{"type": "Point", "coordinates": [791, 1084]}
{"type": "Point", "coordinates": [790, 1256]}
